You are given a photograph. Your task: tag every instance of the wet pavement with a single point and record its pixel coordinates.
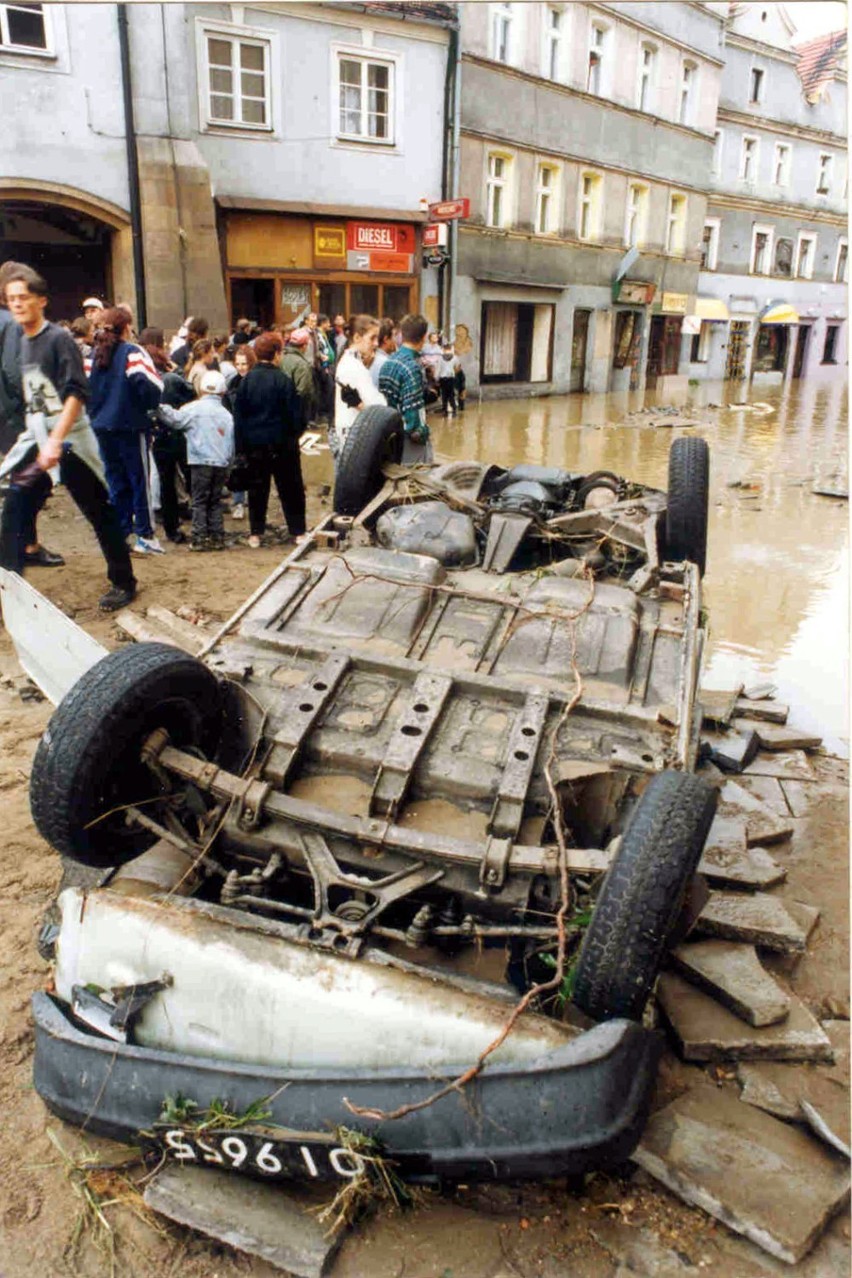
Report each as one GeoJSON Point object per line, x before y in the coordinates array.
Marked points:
{"type": "Point", "coordinates": [778, 563]}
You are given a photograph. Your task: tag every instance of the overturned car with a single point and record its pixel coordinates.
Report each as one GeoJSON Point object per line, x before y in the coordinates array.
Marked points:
{"type": "Point", "coordinates": [403, 849]}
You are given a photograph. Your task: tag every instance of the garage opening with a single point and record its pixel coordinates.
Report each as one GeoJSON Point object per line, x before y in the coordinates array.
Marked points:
{"type": "Point", "coordinates": [516, 342]}
{"type": "Point", "coordinates": [70, 249]}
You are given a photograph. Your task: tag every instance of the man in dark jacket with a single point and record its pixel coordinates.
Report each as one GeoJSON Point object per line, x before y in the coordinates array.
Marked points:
{"type": "Point", "coordinates": [295, 363]}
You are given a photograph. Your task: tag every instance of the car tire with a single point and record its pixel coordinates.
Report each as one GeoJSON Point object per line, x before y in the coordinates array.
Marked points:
{"type": "Point", "coordinates": [88, 761]}
{"type": "Point", "coordinates": [641, 896]}
{"type": "Point", "coordinates": [373, 439]}
{"type": "Point", "coordinates": [686, 511]}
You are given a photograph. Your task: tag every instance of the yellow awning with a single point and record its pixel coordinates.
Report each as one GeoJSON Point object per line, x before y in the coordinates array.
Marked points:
{"type": "Point", "coordinates": [711, 308]}
{"type": "Point", "coordinates": [779, 313]}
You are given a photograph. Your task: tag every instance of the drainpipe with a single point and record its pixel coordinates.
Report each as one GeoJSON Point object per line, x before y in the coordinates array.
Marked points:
{"type": "Point", "coordinates": [455, 54]}
{"type": "Point", "coordinates": [132, 169]}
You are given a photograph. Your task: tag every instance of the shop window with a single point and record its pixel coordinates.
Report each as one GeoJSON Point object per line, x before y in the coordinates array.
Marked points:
{"type": "Point", "coordinates": [686, 103]}
{"type": "Point", "coordinates": [749, 158]}
{"type": "Point", "coordinates": [365, 98]}
{"type": "Point", "coordinates": [647, 75]}
{"type": "Point", "coordinates": [761, 250]}
{"type": "Point", "coordinates": [805, 256]}
{"type": "Point", "coordinates": [841, 264]}
{"type": "Point", "coordinates": [235, 80]}
{"type": "Point", "coordinates": [597, 80]}
{"type": "Point", "coordinates": [23, 27]}
{"type": "Point", "coordinates": [364, 299]}
{"type": "Point", "coordinates": [331, 300]}
{"type": "Point", "coordinates": [829, 351]}
{"type": "Point", "coordinates": [784, 258]}
{"type": "Point", "coordinates": [396, 301]}
{"type": "Point", "coordinates": [755, 94]}
{"type": "Point", "coordinates": [700, 348]}
{"type": "Point", "coordinates": [710, 244]}
{"type": "Point", "coordinates": [497, 190]}
{"type": "Point", "coordinates": [590, 210]}
{"type": "Point", "coordinates": [636, 218]}
{"type": "Point", "coordinates": [781, 164]}
{"type": "Point", "coordinates": [824, 174]}
{"type": "Point", "coordinates": [718, 149]}
{"type": "Point", "coordinates": [501, 32]}
{"type": "Point", "coordinates": [254, 299]}
{"type": "Point", "coordinates": [553, 62]}
{"type": "Point", "coordinates": [517, 341]}
{"type": "Point", "coordinates": [771, 349]}
{"type": "Point", "coordinates": [676, 227]}
{"type": "Point", "coordinates": [545, 199]}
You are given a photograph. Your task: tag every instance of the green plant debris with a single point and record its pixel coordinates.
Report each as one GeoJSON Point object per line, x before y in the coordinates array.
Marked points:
{"type": "Point", "coordinates": [218, 1116]}
{"type": "Point", "coordinates": [377, 1185]}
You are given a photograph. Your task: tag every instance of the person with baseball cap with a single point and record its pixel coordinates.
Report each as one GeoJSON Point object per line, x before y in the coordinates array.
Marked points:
{"type": "Point", "coordinates": [209, 431]}
{"type": "Point", "coordinates": [296, 362]}
{"type": "Point", "coordinates": [93, 309]}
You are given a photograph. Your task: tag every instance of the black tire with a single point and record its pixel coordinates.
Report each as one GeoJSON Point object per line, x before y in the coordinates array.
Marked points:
{"type": "Point", "coordinates": [374, 438]}
{"type": "Point", "coordinates": [641, 896]}
{"type": "Point", "coordinates": [88, 761]}
{"type": "Point", "coordinates": [686, 511]}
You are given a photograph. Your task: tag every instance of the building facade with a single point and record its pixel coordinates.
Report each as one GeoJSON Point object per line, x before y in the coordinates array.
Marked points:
{"type": "Point", "coordinates": [283, 153]}
{"type": "Point", "coordinates": [772, 288]}
{"type": "Point", "coordinates": [586, 139]}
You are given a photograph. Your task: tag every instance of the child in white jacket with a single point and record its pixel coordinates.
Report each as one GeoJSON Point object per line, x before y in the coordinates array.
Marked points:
{"type": "Point", "coordinates": [210, 450]}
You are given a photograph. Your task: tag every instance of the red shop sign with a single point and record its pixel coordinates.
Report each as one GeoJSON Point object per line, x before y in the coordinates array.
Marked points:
{"type": "Point", "coordinates": [383, 237]}
{"type": "Point", "coordinates": [448, 210]}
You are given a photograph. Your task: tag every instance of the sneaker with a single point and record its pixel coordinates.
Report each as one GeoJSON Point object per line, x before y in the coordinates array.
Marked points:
{"type": "Point", "coordinates": [254, 543]}
{"type": "Point", "coordinates": [43, 558]}
{"type": "Point", "coordinates": [116, 597]}
{"type": "Point", "coordinates": [147, 546]}
{"type": "Point", "coordinates": [239, 511]}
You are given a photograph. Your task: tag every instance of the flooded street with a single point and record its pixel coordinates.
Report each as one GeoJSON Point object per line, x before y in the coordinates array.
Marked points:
{"type": "Point", "coordinates": [777, 577]}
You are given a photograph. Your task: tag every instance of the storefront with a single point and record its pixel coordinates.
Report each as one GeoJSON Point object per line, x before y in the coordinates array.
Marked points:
{"type": "Point", "coordinates": [516, 342]}
{"type": "Point", "coordinates": [631, 298]}
{"type": "Point", "coordinates": [666, 333]}
{"type": "Point", "coordinates": [278, 265]}
{"type": "Point", "coordinates": [773, 338]}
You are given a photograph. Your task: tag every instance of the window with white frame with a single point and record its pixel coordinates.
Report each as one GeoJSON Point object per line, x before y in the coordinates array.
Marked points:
{"type": "Point", "coordinates": [590, 206]}
{"type": "Point", "coordinates": [805, 255]}
{"type": "Point", "coordinates": [501, 32]}
{"type": "Point", "coordinates": [710, 243]}
{"type": "Point", "coordinates": [781, 164]}
{"type": "Point", "coordinates": [756, 83]}
{"type": "Point", "coordinates": [841, 262]}
{"type": "Point", "coordinates": [23, 28]}
{"type": "Point", "coordinates": [686, 102]}
{"type": "Point", "coordinates": [365, 97]}
{"type": "Point", "coordinates": [760, 260]}
{"type": "Point", "coordinates": [636, 215]}
{"type": "Point", "coordinates": [497, 189]}
{"type": "Point", "coordinates": [676, 224]}
{"type": "Point", "coordinates": [553, 60]}
{"type": "Point", "coordinates": [700, 349]}
{"type": "Point", "coordinates": [824, 174]}
{"type": "Point", "coordinates": [718, 151]}
{"type": "Point", "coordinates": [547, 178]}
{"type": "Point", "coordinates": [647, 76]}
{"type": "Point", "coordinates": [749, 157]}
{"type": "Point", "coordinates": [236, 79]}
{"type": "Point", "coordinates": [598, 75]}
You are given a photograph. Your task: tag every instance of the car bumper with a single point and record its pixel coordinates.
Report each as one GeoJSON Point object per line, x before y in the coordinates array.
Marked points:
{"type": "Point", "coordinates": [576, 1109]}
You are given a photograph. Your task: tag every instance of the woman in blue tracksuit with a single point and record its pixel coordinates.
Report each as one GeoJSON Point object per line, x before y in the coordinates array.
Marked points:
{"type": "Point", "coordinates": [125, 387]}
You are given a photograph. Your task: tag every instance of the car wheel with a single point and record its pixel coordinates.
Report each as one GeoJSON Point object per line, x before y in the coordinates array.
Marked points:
{"type": "Point", "coordinates": [88, 768]}
{"type": "Point", "coordinates": [686, 511]}
{"type": "Point", "coordinates": [373, 439]}
{"type": "Point", "coordinates": [641, 896]}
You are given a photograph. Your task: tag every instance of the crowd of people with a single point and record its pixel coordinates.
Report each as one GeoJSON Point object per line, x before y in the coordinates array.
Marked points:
{"type": "Point", "coordinates": [91, 403]}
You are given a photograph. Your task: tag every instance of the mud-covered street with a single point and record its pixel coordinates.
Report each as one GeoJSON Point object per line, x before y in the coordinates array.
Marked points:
{"type": "Point", "coordinates": [776, 595]}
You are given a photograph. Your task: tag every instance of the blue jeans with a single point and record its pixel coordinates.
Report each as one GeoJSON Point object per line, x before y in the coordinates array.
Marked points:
{"type": "Point", "coordinates": [127, 464]}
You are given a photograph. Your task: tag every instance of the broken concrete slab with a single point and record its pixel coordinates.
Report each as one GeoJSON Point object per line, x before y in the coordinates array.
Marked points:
{"type": "Point", "coordinates": [781, 1089]}
{"type": "Point", "coordinates": [760, 692]}
{"type": "Point", "coordinates": [804, 796]}
{"type": "Point", "coordinates": [750, 870]}
{"type": "Point", "coordinates": [264, 1220]}
{"type": "Point", "coordinates": [758, 918]}
{"type": "Point", "coordinates": [731, 751]}
{"type": "Point", "coordinates": [786, 765]}
{"type": "Point", "coordinates": [761, 1178]}
{"type": "Point", "coordinates": [734, 975]}
{"type": "Point", "coordinates": [718, 707]}
{"type": "Point", "coordinates": [769, 711]}
{"type": "Point", "coordinates": [766, 822]}
{"type": "Point", "coordinates": [765, 790]}
{"type": "Point", "coordinates": [776, 737]}
{"type": "Point", "coordinates": [706, 1031]}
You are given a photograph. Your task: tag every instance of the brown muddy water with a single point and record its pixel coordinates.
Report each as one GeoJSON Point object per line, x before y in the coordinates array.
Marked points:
{"type": "Point", "coordinates": [776, 586]}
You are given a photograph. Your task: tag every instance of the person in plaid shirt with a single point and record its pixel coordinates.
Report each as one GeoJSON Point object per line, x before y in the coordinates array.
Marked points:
{"type": "Point", "coordinates": [402, 383]}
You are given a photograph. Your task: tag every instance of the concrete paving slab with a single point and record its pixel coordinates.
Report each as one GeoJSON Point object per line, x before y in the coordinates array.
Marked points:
{"type": "Point", "coordinates": [779, 1089]}
{"type": "Point", "coordinates": [787, 765]}
{"type": "Point", "coordinates": [263, 1220]}
{"type": "Point", "coordinates": [775, 737]}
{"type": "Point", "coordinates": [766, 790]}
{"type": "Point", "coordinates": [750, 870]}
{"type": "Point", "coordinates": [806, 796]}
{"type": "Point", "coordinates": [716, 706]}
{"type": "Point", "coordinates": [758, 918]}
{"type": "Point", "coordinates": [706, 1031]}
{"type": "Point", "coordinates": [761, 1178]}
{"type": "Point", "coordinates": [733, 974]}
{"type": "Point", "coordinates": [769, 711]}
{"type": "Point", "coordinates": [731, 751]}
{"type": "Point", "coordinates": [765, 809]}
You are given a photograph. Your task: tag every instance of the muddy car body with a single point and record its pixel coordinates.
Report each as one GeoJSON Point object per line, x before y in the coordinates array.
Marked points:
{"type": "Point", "coordinates": [338, 847]}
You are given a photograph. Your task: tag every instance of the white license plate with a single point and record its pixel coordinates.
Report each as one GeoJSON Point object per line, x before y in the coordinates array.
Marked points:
{"type": "Point", "coordinates": [294, 1156]}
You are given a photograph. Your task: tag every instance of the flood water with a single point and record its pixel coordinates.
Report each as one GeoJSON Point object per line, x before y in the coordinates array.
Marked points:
{"type": "Point", "coordinates": [776, 586]}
